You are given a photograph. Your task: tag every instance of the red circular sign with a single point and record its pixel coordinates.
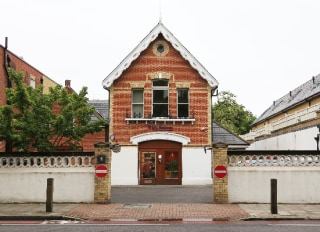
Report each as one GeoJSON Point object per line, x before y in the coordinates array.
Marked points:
{"type": "Point", "coordinates": [220, 171]}
{"type": "Point", "coordinates": [101, 171]}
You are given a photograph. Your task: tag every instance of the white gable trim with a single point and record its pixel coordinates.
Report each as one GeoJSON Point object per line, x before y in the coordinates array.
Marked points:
{"type": "Point", "coordinates": [160, 136]}
{"type": "Point", "coordinates": [160, 28]}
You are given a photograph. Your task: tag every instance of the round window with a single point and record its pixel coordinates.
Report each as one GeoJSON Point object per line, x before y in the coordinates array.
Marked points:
{"type": "Point", "coordinates": [160, 48]}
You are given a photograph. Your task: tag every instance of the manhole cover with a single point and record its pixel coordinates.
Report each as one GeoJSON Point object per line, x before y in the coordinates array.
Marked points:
{"type": "Point", "coordinates": [136, 206]}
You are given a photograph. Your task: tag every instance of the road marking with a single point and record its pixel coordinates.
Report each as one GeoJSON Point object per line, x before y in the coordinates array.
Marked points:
{"type": "Point", "coordinates": [197, 220]}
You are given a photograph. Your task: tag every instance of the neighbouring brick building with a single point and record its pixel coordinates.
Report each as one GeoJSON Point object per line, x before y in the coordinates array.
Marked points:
{"type": "Point", "coordinates": [160, 113]}
{"type": "Point", "coordinates": [34, 77]}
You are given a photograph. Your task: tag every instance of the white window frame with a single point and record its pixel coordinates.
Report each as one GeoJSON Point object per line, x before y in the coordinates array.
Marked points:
{"type": "Point", "coordinates": [164, 88]}
{"type": "Point", "coordinates": [138, 103]}
{"type": "Point", "coordinates": [188, 103]}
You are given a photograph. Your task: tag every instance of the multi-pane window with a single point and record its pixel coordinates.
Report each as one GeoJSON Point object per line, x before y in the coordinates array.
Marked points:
{"type": "Point", "coordinates": [137, 103]}
{"type": "Point", "coordinates": [183, 103]}
{"type": "Point", "coordinates": [160, 98]}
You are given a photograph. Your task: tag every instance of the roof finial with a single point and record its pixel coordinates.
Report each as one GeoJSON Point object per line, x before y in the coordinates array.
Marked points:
{"type": "Point", "coordinates": [160, 13]}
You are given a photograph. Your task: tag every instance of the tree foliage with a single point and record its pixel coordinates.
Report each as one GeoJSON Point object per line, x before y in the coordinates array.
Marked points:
{"type": "Point", "coordinates": [231, 115]}
{"type": "Point", "coordinates": [34, 120]}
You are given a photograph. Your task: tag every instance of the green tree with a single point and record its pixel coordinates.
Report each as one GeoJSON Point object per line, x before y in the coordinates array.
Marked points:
{"type": "Point", "coordinates": [231, 115]}
{"type": "Point", "coordinates": [45, 121]}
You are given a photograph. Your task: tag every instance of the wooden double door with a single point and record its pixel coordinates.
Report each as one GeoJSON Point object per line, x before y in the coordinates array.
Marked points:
{"type": "Point", "coordinates": [160, 163]}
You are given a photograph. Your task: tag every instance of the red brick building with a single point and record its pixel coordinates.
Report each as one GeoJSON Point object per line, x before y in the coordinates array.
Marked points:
{"type": "Point", "coordinates": [34, 77]}
{"type": "Point", "coordinates": [160, 114]}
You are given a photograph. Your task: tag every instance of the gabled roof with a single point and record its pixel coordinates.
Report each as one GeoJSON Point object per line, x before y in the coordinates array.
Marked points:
{"type": "Point", "coordinates": [306, 91]}
{"type": "Point", "coordinates": [221, 134]}
{"type": "Point", "coordinates": [102, 109]}
{"type": "Point", "coordinates": [159, 29]}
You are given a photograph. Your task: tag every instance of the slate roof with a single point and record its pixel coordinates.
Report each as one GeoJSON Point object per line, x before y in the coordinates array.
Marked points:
{"type": "Point", "coordinates": [102, 108]}
{"type": "Point", "coordinates": [221, 134]}
{"type": "Point", "coordinates": [159, 29]}
{"type": "Point", "coordinates": [306, 91]}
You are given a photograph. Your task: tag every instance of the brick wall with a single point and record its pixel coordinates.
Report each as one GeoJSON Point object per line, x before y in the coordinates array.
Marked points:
{"type": "Point", "coordinates": [89, 140]}
{"type": "Point", "coordinates": [140, 74]}
{"type": "Point", "coordinates": [220, 185]}
{"type": "Point", "coordinates": [19, 65]}
{"type": "Point", "coordinates": [102, 186]}
{"type": "Point", "coordinates": [3, 78]}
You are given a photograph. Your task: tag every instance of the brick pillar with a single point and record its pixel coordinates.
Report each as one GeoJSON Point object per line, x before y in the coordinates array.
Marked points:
{"type": "Point", "coordinates": [220, 185]}
{"type": "Point", "coordinates": [102, 186]}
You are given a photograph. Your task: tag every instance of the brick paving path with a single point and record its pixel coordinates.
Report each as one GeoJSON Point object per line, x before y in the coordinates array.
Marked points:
{"type": "Point", "coordinates": [158, 211]}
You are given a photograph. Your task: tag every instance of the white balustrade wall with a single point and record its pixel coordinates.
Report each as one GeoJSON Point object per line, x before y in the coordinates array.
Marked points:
{"type": "Point", "coordinates": [297, 174]}
{"type": "Point", "coordinates": [24, 178]}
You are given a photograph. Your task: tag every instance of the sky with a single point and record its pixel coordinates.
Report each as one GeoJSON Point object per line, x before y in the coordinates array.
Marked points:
{"type": "Point", "coordinates": [257, 49]}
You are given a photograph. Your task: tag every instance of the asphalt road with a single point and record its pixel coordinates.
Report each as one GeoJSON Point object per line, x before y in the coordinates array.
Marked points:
{"type": "Point", "coordinates": [144, 194]}
{"type": "Point", "coordinates": [258, 226]}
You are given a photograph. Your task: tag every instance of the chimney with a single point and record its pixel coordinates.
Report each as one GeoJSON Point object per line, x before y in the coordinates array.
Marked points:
{"type": "Point", "coordinates": [67, 83]}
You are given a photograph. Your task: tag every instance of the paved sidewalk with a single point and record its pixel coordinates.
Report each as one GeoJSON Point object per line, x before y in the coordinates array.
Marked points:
{"type": "Point", "coordinates": [158, 212]}
{"type": "Point", "coordinates": [285, 211]}
{"type": "Point", "coordinates": [35, 211]}
{"type": "Point", "coordinates": [129, 203]}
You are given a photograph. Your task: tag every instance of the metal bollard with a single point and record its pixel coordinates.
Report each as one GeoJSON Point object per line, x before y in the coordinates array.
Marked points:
{"type": "Point", "coordinates": [49, 202]}
{"type": "Point", "coordinates": [274, 200]}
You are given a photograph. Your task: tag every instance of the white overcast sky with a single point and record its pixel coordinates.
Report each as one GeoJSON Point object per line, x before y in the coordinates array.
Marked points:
{"type": "Point", "coordinates": [258, 50]}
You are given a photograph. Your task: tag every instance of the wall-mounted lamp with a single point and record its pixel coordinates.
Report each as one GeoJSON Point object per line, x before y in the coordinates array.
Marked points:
{"type": "Point", "coordinates": [116, 148]}
{"type": "Point", "coordinates": [160, 158]}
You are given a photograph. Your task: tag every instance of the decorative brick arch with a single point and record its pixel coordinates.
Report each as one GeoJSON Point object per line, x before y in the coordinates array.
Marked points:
{"type": "Point", "coordinates": [160, 136]}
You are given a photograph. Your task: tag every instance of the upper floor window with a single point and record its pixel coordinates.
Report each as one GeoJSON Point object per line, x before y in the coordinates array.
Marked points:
{"type": "Point", "coordinates": [183, 103]}
{"type": "Point", "coordinates": [32, 83]}
{"type": "Point", "coordinates": [160, 98]}
{"type": "Point", "coordinates": [137, 103]}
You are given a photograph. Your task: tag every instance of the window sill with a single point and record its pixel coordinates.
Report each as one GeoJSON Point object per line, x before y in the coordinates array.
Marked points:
{"type": "Point", "coordinates": [164, 120]}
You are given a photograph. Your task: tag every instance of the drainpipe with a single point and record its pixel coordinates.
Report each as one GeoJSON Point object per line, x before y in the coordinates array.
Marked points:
{"type": "Point", "coordinates": [214, 93]}
{"type": "Point", "coordinates": [8, 143]}
{"type": "Point", "coordinates": [108, 127]}
{"type": "Point", "coordinates": [5, 54]}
